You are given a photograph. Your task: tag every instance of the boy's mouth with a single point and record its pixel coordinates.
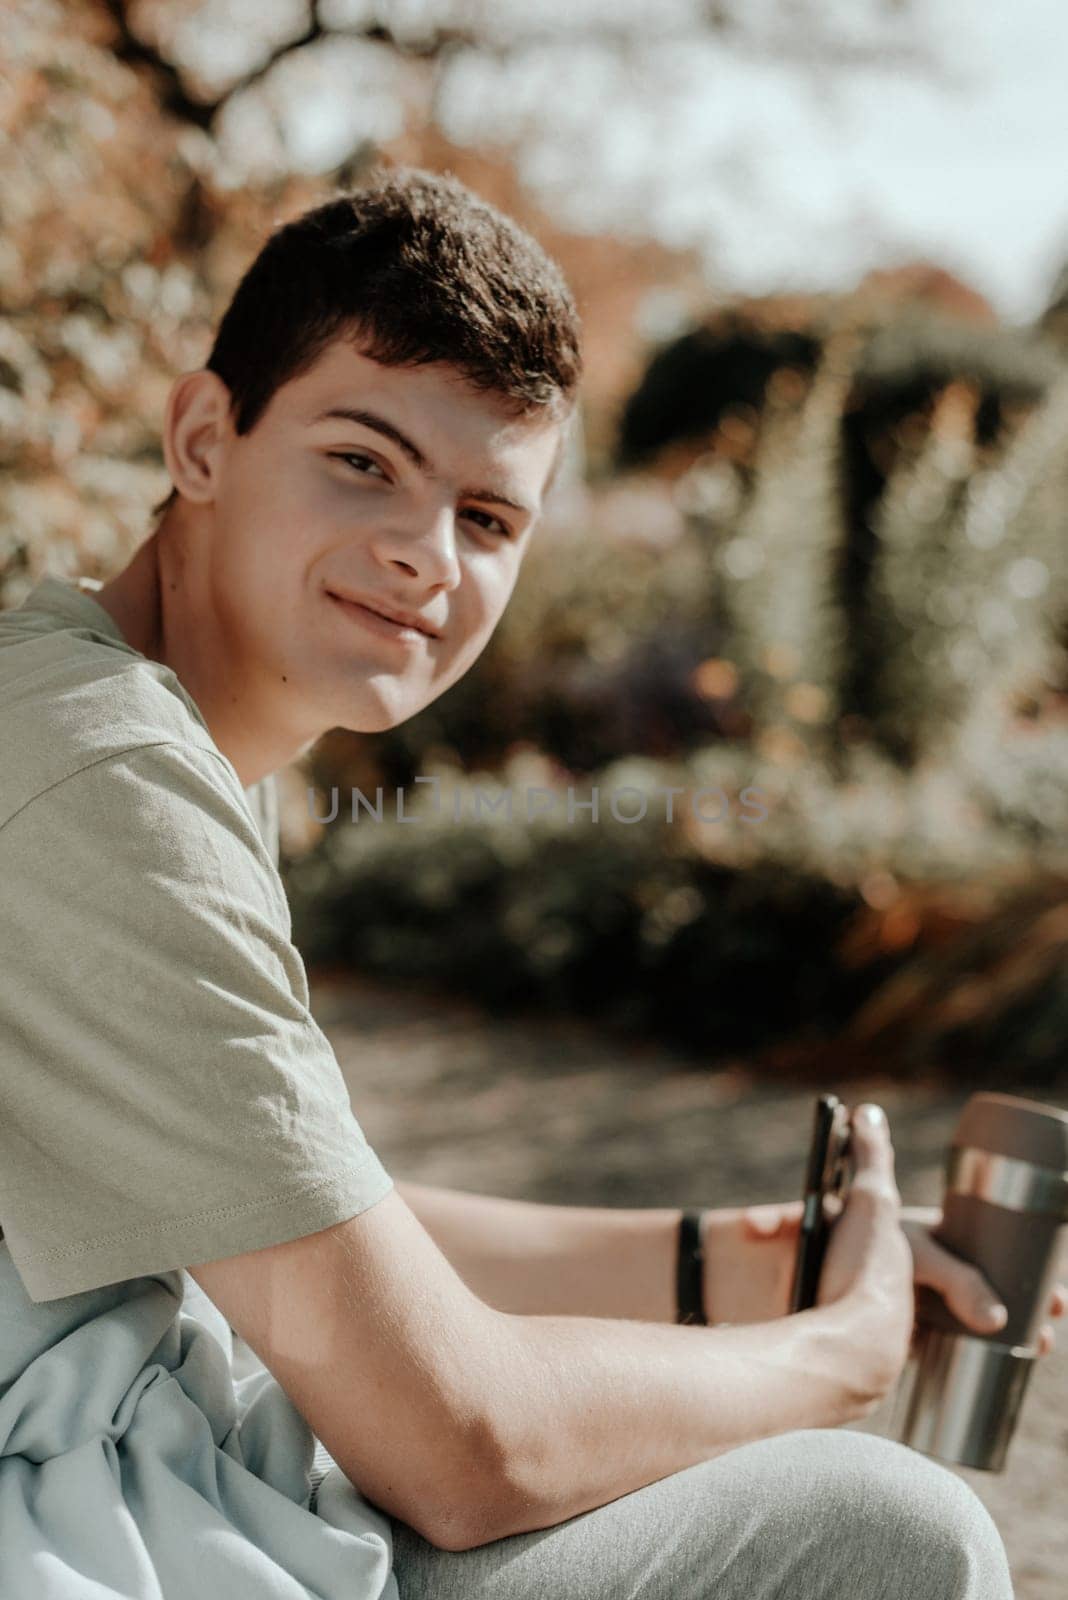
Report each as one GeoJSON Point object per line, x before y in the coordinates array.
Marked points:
{"type": "Point", "coordinates": [402, 626]}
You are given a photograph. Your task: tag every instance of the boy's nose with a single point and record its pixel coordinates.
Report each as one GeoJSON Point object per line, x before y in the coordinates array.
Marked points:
{"type": "Point", "coordinates": [426, 550]}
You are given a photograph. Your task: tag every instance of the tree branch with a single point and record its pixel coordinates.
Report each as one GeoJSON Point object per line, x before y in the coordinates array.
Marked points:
{"type": "Point", "coordinates": [312, 32]}
{"type": "Point", "coordinates": [798, 42]}
{"type": "Point", "coordinates": [172, 91]}
{"type": "Point", "coordinates": [175, 98]}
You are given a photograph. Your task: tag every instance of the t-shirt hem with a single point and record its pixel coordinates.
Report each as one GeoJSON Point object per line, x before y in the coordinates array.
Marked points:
{"type": "Point", "coordinates": [179, 1242]}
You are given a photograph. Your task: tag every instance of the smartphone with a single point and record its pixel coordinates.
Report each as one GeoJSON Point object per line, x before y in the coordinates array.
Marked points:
{"type": "Point", "coordinates": [829, 1172]}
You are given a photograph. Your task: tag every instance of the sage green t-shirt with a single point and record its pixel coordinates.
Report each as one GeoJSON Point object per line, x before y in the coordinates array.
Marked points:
{"type": "Point", "coordinates": [166, 1096]}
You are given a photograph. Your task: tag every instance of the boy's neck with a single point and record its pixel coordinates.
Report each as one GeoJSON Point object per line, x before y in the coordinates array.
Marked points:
{"type": "Point", "coordinates": [244, 730]}
{"type": "Point", "coordinates": [132, 600]}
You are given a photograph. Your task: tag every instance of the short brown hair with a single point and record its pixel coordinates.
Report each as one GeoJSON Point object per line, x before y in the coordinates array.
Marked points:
{"type": "Point", "coordinates": [417, 269]}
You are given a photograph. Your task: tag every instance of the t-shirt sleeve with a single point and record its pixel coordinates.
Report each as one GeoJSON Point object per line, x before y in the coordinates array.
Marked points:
{"type": "Point", "coordinates": [262, 799]}
{"type": "Point", "coordinates": [167, 1097]}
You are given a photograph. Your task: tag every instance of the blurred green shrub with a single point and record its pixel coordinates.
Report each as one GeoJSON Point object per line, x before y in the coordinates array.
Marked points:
{"type": "Point", "coordinates": [719, 936]}
{"type": "Point", "coordinates": [617, 922]}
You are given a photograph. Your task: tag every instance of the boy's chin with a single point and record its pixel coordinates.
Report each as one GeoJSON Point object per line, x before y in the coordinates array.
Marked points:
{"type": "Point", "coordinates": [382, 718]}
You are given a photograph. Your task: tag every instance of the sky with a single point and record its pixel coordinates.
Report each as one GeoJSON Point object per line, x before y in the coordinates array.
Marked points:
{"type": "Point", "coordinates": [975, 173]}
{"type": "Point", "coordinates": [784, 172]}
{"type": "Point", "coordinates": [807, 178]}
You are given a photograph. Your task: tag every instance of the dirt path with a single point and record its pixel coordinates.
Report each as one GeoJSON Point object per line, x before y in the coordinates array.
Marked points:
{"type": "Point", "coordinates": [550, 1111]}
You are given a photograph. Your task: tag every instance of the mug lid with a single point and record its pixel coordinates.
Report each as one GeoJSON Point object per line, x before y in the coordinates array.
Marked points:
{"type": "Point", "coordinates": [1009, 1125]}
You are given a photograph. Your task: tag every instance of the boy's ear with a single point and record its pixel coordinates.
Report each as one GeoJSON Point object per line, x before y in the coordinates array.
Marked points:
{"type": "Point", "coordinates": [196, 431]}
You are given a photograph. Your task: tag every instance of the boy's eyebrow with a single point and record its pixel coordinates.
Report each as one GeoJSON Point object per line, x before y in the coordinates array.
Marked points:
{"type": "Point", "coordinates": [377, 424]}
{"type": "Point", "coordinates": [371, 419]}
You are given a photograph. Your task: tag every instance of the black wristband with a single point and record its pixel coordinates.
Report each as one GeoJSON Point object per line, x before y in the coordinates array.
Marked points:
{"type": "Point", "coordinates": [690, 1273]}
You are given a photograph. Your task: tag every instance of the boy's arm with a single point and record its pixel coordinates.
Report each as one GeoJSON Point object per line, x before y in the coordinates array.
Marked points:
{"type": "Point", "coordinates": [472, 1424]}
{"type": "Point", "coordinates": [528, 1258]}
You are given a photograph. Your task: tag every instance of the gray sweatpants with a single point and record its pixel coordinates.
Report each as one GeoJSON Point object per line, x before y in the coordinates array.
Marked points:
{"type": "Point", "coordinates": [818, 1514]}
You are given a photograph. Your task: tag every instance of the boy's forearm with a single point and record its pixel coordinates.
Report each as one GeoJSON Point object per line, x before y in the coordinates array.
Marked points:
{"type": "Point", "coordinates": [589, 1261]}
{"type": "Point", "coordinates": [592, 1410]}
{"type": "Point", "coordinates": [524, 1257]}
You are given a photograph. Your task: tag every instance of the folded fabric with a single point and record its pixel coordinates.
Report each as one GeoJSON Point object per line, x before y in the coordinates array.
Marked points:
{"type": "Point", "coordinates": [134, 1463]}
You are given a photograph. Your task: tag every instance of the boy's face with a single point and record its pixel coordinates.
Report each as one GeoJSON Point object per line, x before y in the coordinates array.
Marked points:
{"type": "Point", "coordinates": [424, 504]}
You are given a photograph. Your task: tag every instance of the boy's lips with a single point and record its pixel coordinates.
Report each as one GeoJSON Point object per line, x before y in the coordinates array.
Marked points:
{"type": "Point", "coordinates": [396, 621]}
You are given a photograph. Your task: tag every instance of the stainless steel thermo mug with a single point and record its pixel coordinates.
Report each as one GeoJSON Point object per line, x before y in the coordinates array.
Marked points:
{"type": "Point", "coordinates": [1006, 1210]}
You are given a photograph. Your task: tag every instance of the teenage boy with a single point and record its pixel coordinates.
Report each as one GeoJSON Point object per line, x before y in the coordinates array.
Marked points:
{"type": "Point", "coordinates": [506, 1404]}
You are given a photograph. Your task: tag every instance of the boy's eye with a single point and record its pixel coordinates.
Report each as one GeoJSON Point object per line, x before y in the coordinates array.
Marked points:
{"type": "Point", "coordinates": [485, 519]}
{"type": "Point", "coordinates": [367, 465]}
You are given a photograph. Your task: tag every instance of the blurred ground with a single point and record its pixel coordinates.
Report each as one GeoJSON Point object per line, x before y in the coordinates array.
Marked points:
{"type": "Point", "coordinates": [551, 1111]}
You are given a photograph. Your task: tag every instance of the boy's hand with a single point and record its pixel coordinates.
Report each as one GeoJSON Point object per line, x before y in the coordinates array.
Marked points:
{"type": "Point", "coordinates": [749, 1263]}
{"type": "Point", "coordinates": [963, 1287]}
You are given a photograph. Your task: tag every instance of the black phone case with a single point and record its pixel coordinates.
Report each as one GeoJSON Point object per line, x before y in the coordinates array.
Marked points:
{"type": "Point", "coordinates": [823, 1175]}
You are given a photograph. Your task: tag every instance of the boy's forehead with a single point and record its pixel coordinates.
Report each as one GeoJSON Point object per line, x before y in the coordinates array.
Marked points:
{"type": "Point", "coordinates": [342, 367]}
{"type": "Point", "coordinates": [342, 373]}
{"type": "Point", "coordinates": [343, 361]}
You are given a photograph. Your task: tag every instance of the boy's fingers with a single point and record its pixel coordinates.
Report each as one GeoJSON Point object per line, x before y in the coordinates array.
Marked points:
{"type": "Point", "coordinates": [763, 1220]}
{"type": "Point", "coordinates": [767, 1220]}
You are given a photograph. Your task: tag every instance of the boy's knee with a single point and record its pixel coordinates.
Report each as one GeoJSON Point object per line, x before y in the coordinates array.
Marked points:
{"type": "Point", "coordinates": [937, 1525]}
{"type": "Point", "coordinates": [878, 1518]}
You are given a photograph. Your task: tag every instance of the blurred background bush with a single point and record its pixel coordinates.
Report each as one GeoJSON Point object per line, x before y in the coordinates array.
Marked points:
{"type": "Point", "coordinates": [812, 543]}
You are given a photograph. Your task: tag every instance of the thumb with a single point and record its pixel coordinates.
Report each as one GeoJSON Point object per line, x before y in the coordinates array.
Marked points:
{"type": "Point", "coordinates": [872, 1149]}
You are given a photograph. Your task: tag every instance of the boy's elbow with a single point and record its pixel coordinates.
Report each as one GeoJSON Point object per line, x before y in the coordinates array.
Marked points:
{"type": "Point", "coordinates": [471, 1527]}
{"type": "Point", "coordinates": [481, 1504]}
{"type": "Point", "coordinates": [505, 1504]}
{"type": "Point", "coordinates": [454, 1536]}
{"type": "Point", "coordinates": [494, 1474]}
{"type": "Point", "coordinates": [472, 1523]}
